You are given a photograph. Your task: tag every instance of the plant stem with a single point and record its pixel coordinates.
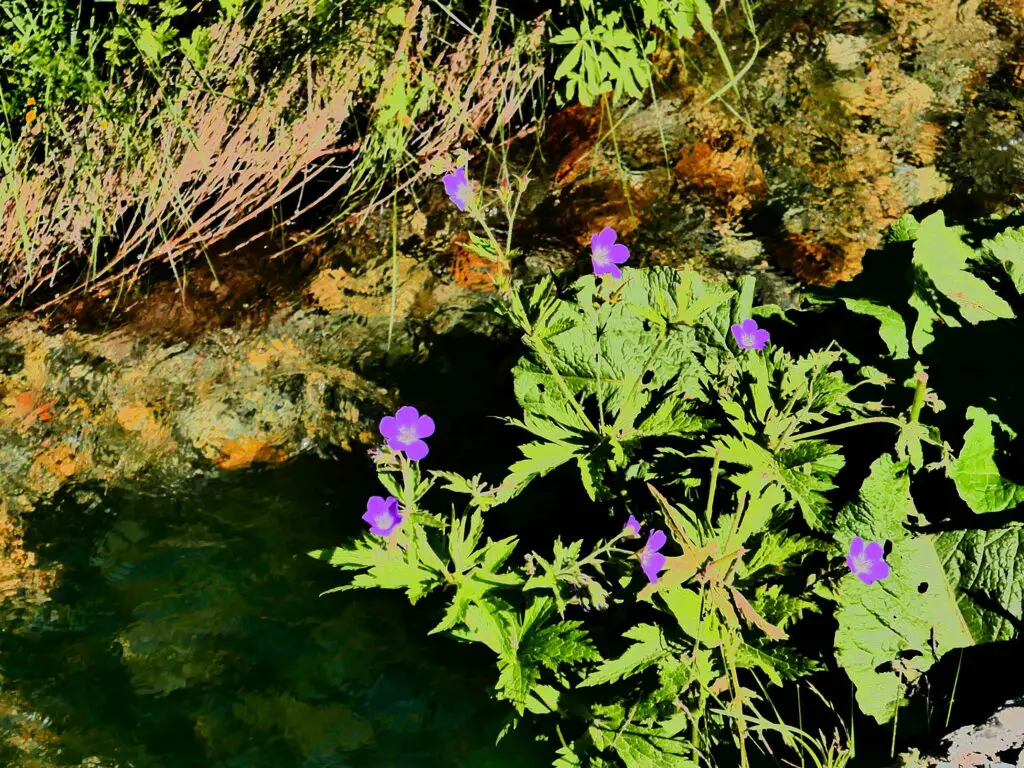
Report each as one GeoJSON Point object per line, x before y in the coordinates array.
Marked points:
{"type": "Point", "coordinates": [713, 486]}
{"type": "Point", "coordinates": [837, 427]}
{"type": "Point", "coordinates": [919, 393]}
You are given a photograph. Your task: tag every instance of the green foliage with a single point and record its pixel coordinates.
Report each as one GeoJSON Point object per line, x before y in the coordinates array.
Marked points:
{"type": "Point", "coordinates": [638, 385]}
{"type": "Point", "coordinates": [891, 632]}
{"type": "Point", "coordinates": [975, 472]}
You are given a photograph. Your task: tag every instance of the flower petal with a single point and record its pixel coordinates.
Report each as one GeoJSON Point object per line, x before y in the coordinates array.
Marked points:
{"type": "Point", "coordinates": [602, 269]}
{"type": "Point", "coordinates": [614, 271]}
{"type": "Point", "coordinates": [653, 564]}
{"type": "Point", "coordinates": [407, 416]}
{"type": "Point", "coordinates": [633, 525]}
{"type": "Point", "coordinates": [749, 325]}
{"type": "Point", "coordinates": [389, 427]}
{"type": "Point", "coordinates": [424, 426]}
{"type": "Point", "coordinates": [605, 237]}
{"type": "Point", "coordinates": [879, 570]}
{"type": "Point", "coordinates": [619, 253]}
{"type": "Point", "coordinates": [856, 546]}
{"type": "Point", "coordinates": [655, 541]}
{"type": "Point", "coordinates": [874, 551]}
{"type": "Point", "coordinates": [416, 450]}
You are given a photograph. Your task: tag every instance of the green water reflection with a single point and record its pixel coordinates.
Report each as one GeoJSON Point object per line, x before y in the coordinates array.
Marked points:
{"type": "Point", "coordinates": [187, 632]}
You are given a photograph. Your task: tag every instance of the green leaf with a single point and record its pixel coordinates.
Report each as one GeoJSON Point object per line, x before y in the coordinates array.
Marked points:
{"type": "Point", "coordinates": [940, 263]}
{"type": "Point", "coordinates": [988, 568]}
{"type": "Point", "coordinates": [892, 328]}
{"type": "Point", "coordinates": [779, 663]}
{"type": "Point", "coordinates": [975, 472]}
{"type": "Point", "coordinates": [803, 471]}
{"type": "Point", "coordinates": [604, 351]}
{"type": "Point", "coordinates": [1008, 249]}
{"type": "Point", "coordinates": [891, 632]}
{"type": "Point", "coordinates": [649, 649]}
{"type": "Point", "coordinates": [540, 459]}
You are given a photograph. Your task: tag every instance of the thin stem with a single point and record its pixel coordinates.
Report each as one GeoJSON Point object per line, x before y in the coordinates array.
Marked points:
{"type": "Point", "coordinates": [919, 393]}
{"type": "Point", "coordinates": [713, 486]}
{"type": "Point", "coordinates": [394, 268]}
{"type": "Point", "coordinates": [952, 696]}
{"type": "Point", "coordinates": [837, 427]}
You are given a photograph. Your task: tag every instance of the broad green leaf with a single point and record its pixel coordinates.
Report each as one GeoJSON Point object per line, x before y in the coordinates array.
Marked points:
{"type": "Point", "coordinates": [891, 632]}
{"type": "Point", "coordinates": [975, 472]}
{"type": "Point", "coordinates": [940, 262]}
{"type": "Point", "coordinates": [988, 568]}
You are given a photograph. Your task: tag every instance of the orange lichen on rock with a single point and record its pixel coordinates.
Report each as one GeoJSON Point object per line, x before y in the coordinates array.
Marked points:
{"type": "Point", "coordinates": [28, 408]}
{"type": "Point", "coordinates": [729, 176]}
{"type": "Point", "coordinates": [142, 420]}
{"type": "Point", "coordinates": [61, 461]}
{"type": "Point", "coordinates": [246, 451]}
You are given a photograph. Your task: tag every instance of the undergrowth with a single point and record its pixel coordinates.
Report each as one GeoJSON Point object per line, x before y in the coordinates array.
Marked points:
{"type": "Point", "coordinates": [743, 480]}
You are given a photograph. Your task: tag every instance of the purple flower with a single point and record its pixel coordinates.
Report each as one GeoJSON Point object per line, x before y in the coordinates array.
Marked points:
{"type": "Point", "coordinates": [749, 336]}
{"type": "Point", "coordinates": [607, 254]}
{"type": "Point", "coordinates": [458, 188]}
{"type": "Point", "coordinates": [405, 432]}
{"type": "Point", "coordinates": [382, 515]}
{"type": "Point", "coordinates": [651, 560]}
{"type": "Point", "coordinates": [633, 526]}
{"type": "Point", "coordinates": [866, 562]}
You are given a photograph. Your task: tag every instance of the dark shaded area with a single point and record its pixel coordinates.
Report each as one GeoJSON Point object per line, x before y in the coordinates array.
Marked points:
{"type": "Point", "coordinates": [187, 632]}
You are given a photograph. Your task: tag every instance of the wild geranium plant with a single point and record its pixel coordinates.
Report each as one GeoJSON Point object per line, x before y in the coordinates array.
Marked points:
{"type": "Point", "coordinates": [720, 448]}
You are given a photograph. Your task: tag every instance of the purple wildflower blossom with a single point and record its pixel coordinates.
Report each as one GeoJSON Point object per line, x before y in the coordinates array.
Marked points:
{"type": "Point", "coordinates": [651, 560]}
{"type": "Point", "coordinates": [866, 561]}
{"type": "Point", "coordinates": [749, 336]}
{"type": "Point", "coordinates": [632, 525]}
{"type": "Point", "coordinates": [405, 432]}
{"type": "Point", "coordinates": [458, 188]}
{"type": "Point", "coordinates": [382, 515]}
{"type": "Point", "coordinates": [607, 254]}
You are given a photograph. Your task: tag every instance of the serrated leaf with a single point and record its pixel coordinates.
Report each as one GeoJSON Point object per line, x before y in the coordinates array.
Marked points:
{"type": "Point", "coordinates": [1008, 249]}
{"type": "Point", "coordinates": [649, 649]}
{"type": "Point", "coordinates": [540, 459]}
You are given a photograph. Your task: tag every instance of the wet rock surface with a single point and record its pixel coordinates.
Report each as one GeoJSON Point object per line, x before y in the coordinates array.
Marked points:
{"type": "Point", "coordinates": [994, 743]}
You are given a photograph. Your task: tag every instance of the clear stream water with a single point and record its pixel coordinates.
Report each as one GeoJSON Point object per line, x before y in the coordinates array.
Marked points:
{"type": "Point", "coordinates": [187, 632]}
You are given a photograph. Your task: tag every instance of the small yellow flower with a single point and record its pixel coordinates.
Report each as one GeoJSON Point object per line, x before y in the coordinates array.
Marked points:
{"type": "Point", "coordinates": [15, 47]}
{"type": "Point", "coordinates": [30, 116]}
{"type": "Point", "coordinates": [31, 101]}
{"type": "Point", "coordinates": [103, 125]}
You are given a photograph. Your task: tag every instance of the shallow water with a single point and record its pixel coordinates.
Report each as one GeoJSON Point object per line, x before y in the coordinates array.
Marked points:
{"type": "Point", "coordinates": [187, 632]}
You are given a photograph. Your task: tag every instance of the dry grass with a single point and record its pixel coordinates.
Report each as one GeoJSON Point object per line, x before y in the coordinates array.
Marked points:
{"type": "Point", "coordinates": [199, 164]}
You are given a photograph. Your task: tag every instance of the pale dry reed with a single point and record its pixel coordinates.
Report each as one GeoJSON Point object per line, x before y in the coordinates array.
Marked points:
{"type": "Point", "coordinates": [201, 164]}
